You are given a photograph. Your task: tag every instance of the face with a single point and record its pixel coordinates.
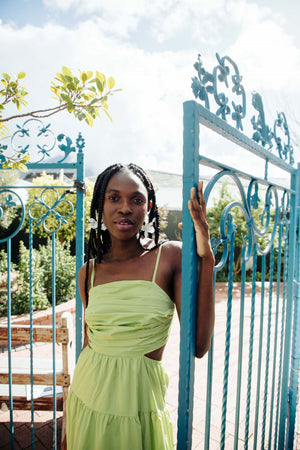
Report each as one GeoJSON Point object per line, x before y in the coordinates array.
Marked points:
{"type": "Point", "coordinates": [125, 205]}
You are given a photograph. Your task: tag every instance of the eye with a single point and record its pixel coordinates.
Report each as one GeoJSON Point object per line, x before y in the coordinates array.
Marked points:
{"type": "Point", "coordinates": [138, 201]}
{"type": "Point", "coordinates": [113, 198]}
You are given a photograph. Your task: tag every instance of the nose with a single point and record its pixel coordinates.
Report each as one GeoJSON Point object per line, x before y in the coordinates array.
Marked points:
{"type": "Point", "coordinates": [125, 207]}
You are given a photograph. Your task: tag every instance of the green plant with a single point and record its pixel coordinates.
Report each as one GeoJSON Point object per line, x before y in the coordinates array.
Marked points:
{"type": "Point", "coordinates": [21, 297]}
{"type": "Point", "coordinates": [82, 96]}
{"type": "Point", "coordinates": [64, 270]}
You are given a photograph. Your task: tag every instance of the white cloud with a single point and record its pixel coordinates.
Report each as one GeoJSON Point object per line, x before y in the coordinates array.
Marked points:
{"type": "Point", "coordinates": [147, 126]}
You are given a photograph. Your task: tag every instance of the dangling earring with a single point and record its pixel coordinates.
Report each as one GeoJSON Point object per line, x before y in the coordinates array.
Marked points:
{"type": "Point", "coordinates": [94, 222]}
{"type": "Point", "coordinates": [147, 226]}
{"type": "Point", "coordinates": [103, 227]}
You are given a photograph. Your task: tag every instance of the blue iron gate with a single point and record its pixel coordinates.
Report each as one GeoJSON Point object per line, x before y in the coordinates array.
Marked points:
{"type": "Point", "coordinates": [56, 154]}
{"type": "Point", "coordinates": [251, 392]}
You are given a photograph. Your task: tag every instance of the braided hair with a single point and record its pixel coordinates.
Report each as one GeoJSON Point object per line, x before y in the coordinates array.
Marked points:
{"type": "Point", "coordinates": [99, 241]}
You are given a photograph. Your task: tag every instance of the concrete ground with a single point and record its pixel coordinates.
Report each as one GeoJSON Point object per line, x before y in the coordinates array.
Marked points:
{"type": "Point", "coordinates": [43, 420]}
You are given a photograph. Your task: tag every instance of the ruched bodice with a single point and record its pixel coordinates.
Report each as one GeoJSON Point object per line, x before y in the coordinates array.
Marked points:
{"type": "Point", "coordinates": [130, 317]}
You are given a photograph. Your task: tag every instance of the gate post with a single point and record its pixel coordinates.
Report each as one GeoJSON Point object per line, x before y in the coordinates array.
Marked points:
{"type": "Point", "coordinates": [79, 244]}
{"type": "Point", "coordinates": [189, 279]}
{"type": "Point", "coordinates": [295, 356]}
{"type": "Point", "coordinates": [291, 367]}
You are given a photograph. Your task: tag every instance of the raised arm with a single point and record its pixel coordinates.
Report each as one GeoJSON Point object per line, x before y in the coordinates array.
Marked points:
{"type": "Point", "coordinates": [205, 296]}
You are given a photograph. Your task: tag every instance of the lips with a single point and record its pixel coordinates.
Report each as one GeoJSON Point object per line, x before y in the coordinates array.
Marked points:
{"type": "Point", "coordinates": [124, 224]}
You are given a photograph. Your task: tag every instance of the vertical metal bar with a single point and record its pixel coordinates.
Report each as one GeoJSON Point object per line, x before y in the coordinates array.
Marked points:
{"type": "Point", "coordinates": [31, 329]}
{"type": "Point", "coordinates": [272, 409]}
{"type": "Point", "coordinates": [240, 351]}
{"type": "Point", "coordinates": [261, 330]}
{"type": "Point", "coordinates": [295, 356]}
{"type": "Point", "coordinates": [189, 280]}
{"type": "Point", "coordinates": [227, 341]}
{"type": "Point", "coordinates": [11, 416]}
{"type": "Point", "coordinates": [54, 339]}
{"type": "Point", "coordinates": [271, 272]}
{"type": "Point", "coordinates": [209, 386]}
{"type": "Point", "coordinates": [250, 359]}
{"type": "Point", "coordinates": [79, 248]}
{"type": "Point", "coordinates": [289, 315]}
{"type": "Point", "coordinates": [283, 316]}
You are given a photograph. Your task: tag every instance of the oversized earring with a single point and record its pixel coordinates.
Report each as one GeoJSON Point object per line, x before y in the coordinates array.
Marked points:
{"type": "Point", "coordinates": [147, 226]}
{"type": "Point", "coordinates": [94, 222]}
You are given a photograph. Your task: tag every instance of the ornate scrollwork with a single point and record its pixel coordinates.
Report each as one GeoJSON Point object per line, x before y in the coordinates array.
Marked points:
{"type": "Point", "coordinates": [12, 214]}
{"type": "Point", "coordinates": [211, 83]}
{"type": "Point", "coordinates": [38, 140]}
{"type": "Point", "coordinates": [220, 74]}
{"type": "Point", "coordinates": [35, 138]}
{"type": "Point", "coordinates": [285, 149]}
{"type": "Point", "coordinates": [259, 229]}
{"type": "Point", "coordinates": [48, 211]}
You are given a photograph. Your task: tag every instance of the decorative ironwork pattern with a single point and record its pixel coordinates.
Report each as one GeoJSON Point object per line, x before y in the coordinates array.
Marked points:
{"type": "Point", "coordinates": [39, 141]}
{"type": "Point", "coordinates": [10, 220]}
{"type": "Point", "coordinates": [49, 215]}
{"type": "Point", "coordinates": [225, 80]}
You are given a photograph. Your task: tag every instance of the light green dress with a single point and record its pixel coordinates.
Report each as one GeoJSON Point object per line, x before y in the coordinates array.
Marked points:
{"type": "Point", "coordinates": [117, 397]}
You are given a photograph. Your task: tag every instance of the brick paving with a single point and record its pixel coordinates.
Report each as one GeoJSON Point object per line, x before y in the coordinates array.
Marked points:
{"type": "Point", "coordinates": [43, 422]}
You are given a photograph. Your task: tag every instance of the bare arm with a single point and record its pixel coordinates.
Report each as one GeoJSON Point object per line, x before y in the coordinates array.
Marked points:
{"type": "Point", "coordinates": [81, 283]}
{"type": "Point", "coordinates": [205, 295]}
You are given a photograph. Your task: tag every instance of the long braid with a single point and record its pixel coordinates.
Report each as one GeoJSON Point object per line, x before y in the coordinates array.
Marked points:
{"type": "Point", "coordinates": [99, 242]}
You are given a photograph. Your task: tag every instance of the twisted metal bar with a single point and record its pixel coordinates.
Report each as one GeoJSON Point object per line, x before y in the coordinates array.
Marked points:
{"type": "Point", "coordinates": [250, 359]}
{"type": "Point", "coordinates": [259, 361]}
{"type": "Point", "coordinates": [232, 232]}
{"type": "Point", "coordinates": [272, 409]}
{"type": "Point", "coordinates": [285, 276]}
{"type": "Point", "coordinates": [240, 351]}
{"type": "Point", "coordinates": [271, 272]}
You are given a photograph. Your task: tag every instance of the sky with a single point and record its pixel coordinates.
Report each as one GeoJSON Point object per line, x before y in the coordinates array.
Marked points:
{"type": "Point", "coordinates": [150, 48]}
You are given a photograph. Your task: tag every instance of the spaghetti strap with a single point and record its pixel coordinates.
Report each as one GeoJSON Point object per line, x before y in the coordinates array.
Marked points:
{"type": "Point", "coordinates": [156, 264]}
{"type": "Point", "coordinates": [93, 274]}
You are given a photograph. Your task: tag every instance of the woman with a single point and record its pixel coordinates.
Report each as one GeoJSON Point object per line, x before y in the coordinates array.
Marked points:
{"type": "Point", "coordinates": [129, 289]}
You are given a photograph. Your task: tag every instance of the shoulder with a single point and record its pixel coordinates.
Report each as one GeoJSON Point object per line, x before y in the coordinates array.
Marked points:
{"type": "Point", "coordinates": [171, 253]}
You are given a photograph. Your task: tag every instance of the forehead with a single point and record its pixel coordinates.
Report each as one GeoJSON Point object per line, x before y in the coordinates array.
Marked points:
{"type": "Point", "coordinates": [127, 182]}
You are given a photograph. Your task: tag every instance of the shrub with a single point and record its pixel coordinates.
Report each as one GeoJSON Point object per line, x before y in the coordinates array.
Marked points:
{"type": "Point", "coordinates": [64, 268]}
{"type": "Point", "coordinates": [41, 278]}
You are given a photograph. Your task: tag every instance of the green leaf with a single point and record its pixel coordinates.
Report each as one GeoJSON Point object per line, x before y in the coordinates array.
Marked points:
{"type": "Point", "coordinates": [95, 100]}
{"type": "Point", "coordinates": [83, 77]}
{"type": "Point", "coordinates": [89, 74]}
{"type": "Point", "coordinates": [88, 118]}
{"type": "Point", "coordinates": [21, 75]}
{"type": "Point", "coordinates": [68, 79]}
{"type": "Point", "coordinates": [110, 82]}
{"type": "Point", "coordinates": [99, 85]}
{"type": "Point", "coordinates": [107, 115]}
{"type": "Point", "coordinates": [67, 99]}
{"type": "Point", "coordinates": [25, 159]}
{"type": "Point", "coordinates": [59, 77]}
{"type": "Point", "coordinates": [22, 167]}
{"type": "Point", "coordinates": [66, 71]}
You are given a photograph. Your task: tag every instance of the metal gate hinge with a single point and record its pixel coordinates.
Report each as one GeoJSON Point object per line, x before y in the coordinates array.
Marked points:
{"type": "Point", "coordinates": [80, 186]}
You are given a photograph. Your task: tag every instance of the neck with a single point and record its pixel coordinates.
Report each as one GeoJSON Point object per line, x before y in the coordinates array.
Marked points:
{"type": "Point", "coordinates": [123, 250]}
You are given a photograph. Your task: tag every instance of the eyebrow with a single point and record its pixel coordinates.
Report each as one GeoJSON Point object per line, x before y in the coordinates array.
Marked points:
{"type": "Point", "coordinates": [109, 191]}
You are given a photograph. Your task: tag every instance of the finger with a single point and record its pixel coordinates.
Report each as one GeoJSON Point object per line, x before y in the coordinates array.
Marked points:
{"type": "Point", "coordinates": [201, 197]}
